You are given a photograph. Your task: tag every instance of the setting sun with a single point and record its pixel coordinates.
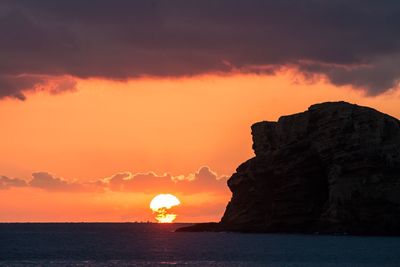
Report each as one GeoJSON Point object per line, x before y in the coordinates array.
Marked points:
{"type": "Point", "coordinates": [160, 205]}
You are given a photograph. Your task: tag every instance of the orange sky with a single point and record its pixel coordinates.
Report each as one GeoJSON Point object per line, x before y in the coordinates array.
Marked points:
{"type": "Point", "coordinates": [170, 127]}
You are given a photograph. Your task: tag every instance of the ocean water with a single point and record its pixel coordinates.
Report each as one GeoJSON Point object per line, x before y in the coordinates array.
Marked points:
{"type": "Point", "coordinates": [131, 244]}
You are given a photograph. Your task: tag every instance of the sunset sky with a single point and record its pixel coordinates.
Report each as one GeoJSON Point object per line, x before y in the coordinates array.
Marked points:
{"type": "Point", "coordinates": [105, 105]}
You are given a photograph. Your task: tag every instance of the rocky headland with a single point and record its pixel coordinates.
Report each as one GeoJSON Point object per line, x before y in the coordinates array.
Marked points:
{"type": "Point", "coordinates": [334, 168]}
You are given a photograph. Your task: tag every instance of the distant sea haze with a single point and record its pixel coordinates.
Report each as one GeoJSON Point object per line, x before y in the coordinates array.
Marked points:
{"type": "Point", "coordinates": [149, 244]}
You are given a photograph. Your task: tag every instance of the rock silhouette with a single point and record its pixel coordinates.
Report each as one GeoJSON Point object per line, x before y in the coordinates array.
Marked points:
{"type": "Point", "coordinates": [334, 168]}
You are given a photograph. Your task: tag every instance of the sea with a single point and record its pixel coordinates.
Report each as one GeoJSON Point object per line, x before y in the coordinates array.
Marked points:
{"type": "Point", "coordinates": [149, 244]}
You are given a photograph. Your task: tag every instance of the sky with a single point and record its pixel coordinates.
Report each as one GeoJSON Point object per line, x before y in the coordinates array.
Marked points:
{"type": "Point", "coordinates": [105, 105]}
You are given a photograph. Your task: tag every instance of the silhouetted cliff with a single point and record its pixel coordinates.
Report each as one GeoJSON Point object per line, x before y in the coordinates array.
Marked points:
{"type": "Point", "coordinates": [334, 168]}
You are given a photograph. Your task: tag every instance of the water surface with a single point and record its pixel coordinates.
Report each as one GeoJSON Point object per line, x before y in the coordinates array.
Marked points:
{"type": "Point", "coordinates": [125, 244]}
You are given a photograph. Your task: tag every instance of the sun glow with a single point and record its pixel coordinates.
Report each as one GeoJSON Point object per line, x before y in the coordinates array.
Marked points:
{"type": "Point", "coordinates": [161, 204]}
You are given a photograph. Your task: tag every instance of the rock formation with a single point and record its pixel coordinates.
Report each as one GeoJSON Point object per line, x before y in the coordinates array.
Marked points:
{"type": "Point", "coordinates": [334, 168]}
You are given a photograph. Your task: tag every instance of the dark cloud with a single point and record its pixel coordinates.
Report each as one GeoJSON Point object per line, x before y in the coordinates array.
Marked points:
{"type": "Point", "coordinates": [11, 85]}
{"type": "Point", "coordinates": [6, 182]}
{"type": "Point", "coordinates": [352, 42]}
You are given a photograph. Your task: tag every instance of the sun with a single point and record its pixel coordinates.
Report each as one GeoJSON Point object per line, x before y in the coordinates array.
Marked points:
{"type": "Point", "coordinates": [160, 205]}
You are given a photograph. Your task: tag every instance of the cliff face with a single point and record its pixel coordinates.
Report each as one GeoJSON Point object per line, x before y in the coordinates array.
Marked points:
{"type": "Point", "coordinates": [334, 168]}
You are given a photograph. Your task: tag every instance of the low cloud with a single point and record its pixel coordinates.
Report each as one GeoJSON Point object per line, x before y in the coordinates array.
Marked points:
{"type": "Point", "coordinates": [201, 181]}
{"type": "Point", "coordinates": [351, 42]}
{"type": "Point", "coordinates": [6, 182]}
{"type": "Point", "coordinates": [204, 180]}
{"type": "Point", "coordinates": [49, 182]}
